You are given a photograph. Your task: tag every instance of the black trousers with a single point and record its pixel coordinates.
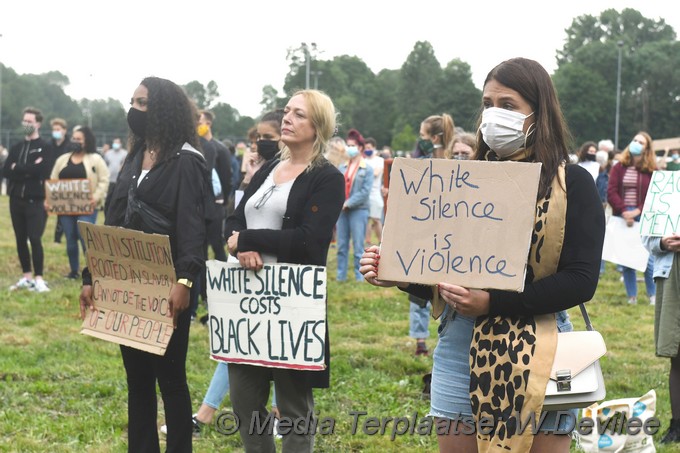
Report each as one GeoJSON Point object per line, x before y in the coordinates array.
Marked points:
{"type": "Point", "coordinates": [143, 371]}
{"type": "Point", "coordinates": [28, 220]}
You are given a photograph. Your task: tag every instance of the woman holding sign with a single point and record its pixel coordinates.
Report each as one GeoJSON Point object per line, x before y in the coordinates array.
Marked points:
{"type": "Point", "coordinates": [287, 215]}
{"type": "Point", "coordinates": [162, 188]}
{"type": "Point", "coordinates": [82, 163]}
{"type": "Point", "coordinates": [626, 193]}
{"type": "Point", "coordinates": [521, 121]}
{"type": "Point", "coordinates": [666, 250]}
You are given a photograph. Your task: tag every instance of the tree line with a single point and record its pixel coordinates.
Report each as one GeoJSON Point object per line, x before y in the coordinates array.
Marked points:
{"type": "Point", "coordinates": [390, 105]}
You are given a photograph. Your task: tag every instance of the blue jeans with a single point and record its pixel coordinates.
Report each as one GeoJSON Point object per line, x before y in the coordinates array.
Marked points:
{"type": "Point", "coordinates": [419, 320]}
{"type": "Point", "coordinates": [630, 279]}
{"type": "Point", "coordinates": [219, 386]}
{"type": "Point", "coordinates": [352, 222]}
{"type": "Point", "coordinates": [70, 226]}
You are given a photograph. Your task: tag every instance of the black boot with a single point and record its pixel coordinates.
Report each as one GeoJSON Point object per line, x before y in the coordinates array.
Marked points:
{"type": "Point", "coordinates": [673, 433]}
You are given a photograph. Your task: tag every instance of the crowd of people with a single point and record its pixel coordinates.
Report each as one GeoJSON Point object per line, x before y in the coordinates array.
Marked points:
{"type": "Point", "coordinates": [296, 191]}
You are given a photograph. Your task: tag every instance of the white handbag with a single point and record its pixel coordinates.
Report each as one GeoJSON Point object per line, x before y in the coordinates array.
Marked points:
{"type": "Point", "coordinates": [576, 379]}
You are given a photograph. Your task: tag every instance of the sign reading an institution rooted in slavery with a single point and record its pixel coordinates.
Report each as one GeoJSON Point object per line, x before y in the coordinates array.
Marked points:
{"type": "Point", "coordinates": [464, 222]}
{"type": "Point", "coordinates": [275, 317]}
{"type": "Point", "coordinates": [69, 196]}
{"type": "Point", "coordinates": [132, 274]}
{"type": "Point", "coordinates": [661, 213]}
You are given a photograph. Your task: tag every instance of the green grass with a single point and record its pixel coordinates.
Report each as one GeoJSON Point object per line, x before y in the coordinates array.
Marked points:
{"type": "Point", "coordinates": [61, 391]}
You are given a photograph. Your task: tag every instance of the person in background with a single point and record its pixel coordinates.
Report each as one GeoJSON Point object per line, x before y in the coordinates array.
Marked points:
{"type": "Point", "coordinates": [586, 158]}
{"type": "Point", "coordinates": [351, 226]}
{"type": "Point", "coordinates": [268, 143]}
{"type": "Point", "coordinates": [27, 167]}
{"type": "Point", "coordinates": [521, 121]}
{"type": "Point", "coordinates": [165, 173]}
{"type": "Point", "coordinates": [80, 162]}
{"type": "Point", "coordinates": [60, 137]}
{"type": "Point", "coordinates": [674, 163]}
{"type": "Point", "coordinates": [251, 159]}
{"type": "Point", "coordinates": [60, 142]}
{"type": "Point", "coordinates": [3, 158]}
{"type": "Point", "coordinates": [375, 199]}
{"type": "Point", "coordinates": [235, 174]}
{"type": "Point", "coordinates": [666, 252]}
{"type": "Point", "coordinates": [437, 137]}
{"type": "Point", "coordinates": [463, 146]}
{"type": "Point", "coordinates": [336, 151]}
{"type": "Point", "coordinates": [287, 215]}
{"type": "Point", "coordinates": [626, 193]}
{"type": "Point", "coordinates": [114, 161]}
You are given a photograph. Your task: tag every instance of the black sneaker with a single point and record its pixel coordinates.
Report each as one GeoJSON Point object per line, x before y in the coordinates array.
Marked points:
{"type": "Point", "coordinates": [72, 275]}
{"type": "Point", "coordinates": [197, 427]}
{"type": "Point", "coordinates": [673, 433]}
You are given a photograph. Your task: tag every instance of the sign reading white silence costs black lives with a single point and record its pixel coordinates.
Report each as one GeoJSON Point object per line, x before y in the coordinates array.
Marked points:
{"type": "Point", "coordinates": [275, 317]}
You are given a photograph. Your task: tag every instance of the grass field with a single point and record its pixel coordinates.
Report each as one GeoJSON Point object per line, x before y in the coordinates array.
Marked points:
{"type": "Point", "coordinates": [64, 392]}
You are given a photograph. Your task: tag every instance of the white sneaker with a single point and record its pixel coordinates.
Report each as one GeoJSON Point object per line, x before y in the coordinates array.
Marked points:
{"type": "Point", "coordinates": [632, 300]}
{"type": "Point", "coordinates": [197, 426]}
{"type": "Point", "coordinates": [23, 283]}
{"type": "Point", "coordinates": [40, 286]}
{"type": "Point", "coordinates": [652, 300]}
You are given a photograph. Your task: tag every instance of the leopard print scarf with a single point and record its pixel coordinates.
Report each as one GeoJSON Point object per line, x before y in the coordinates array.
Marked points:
{"type": "Point", "coordinates": [511, 357]}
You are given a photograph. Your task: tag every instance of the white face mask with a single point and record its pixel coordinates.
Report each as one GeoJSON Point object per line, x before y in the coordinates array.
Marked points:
{"type": "Point", "coordinates": [503, 130]}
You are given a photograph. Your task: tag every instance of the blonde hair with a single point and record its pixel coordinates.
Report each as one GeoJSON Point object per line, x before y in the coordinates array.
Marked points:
{"type": "Point", "coordinates": [323, 117]}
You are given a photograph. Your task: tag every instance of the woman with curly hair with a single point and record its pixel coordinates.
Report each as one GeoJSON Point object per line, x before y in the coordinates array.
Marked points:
{"type": "Point", "coordinates": [162, 188]}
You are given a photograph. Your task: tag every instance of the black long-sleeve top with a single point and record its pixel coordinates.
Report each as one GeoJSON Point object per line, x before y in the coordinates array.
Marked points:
{"type": "Point", "coordinates": [178, 189]}
{"type": "Point", "coordinates": [313, 208]}
{"type": "Point", "coordinates": [28, 165]}
{"type": "Point", "coordinates": [577, 273]}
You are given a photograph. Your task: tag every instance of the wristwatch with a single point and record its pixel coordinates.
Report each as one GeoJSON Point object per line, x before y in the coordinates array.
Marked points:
{"type": "Point", "coordinates": [186, 282]}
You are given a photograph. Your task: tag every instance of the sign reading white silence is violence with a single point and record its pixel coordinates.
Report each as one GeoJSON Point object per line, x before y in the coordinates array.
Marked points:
{"type": "Point", "coordinates": [275, 317]}
{"type": "Point", "coordinates": [464, 222]}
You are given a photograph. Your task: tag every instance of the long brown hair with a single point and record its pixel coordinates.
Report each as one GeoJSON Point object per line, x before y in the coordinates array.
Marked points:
{"type": "Point", "coordinates": [647, 163]}
{"type": "Point", "coordinates": [551, 139]}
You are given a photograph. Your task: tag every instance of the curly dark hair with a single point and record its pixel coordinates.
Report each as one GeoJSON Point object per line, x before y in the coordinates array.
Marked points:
{"type": "Point", "coordinates": [90, 145]}
{"type": "Point", "coordinates": [171, 119]}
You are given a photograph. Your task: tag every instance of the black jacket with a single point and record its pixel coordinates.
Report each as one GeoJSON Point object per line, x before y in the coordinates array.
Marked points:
{"type": "Point", "coordinates": [34, 161]}
{"type": "Point", "coordinates": [177, 189]}
{"type": "Point", "coordinates": [313, 208]}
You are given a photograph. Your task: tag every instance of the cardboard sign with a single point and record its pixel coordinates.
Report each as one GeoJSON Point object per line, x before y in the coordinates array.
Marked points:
{"type": "Point", "coordinates": [464, 222]}
{"type": "Point", "coordinates": [661, 213]}
{"type": "Point", "coordinates": [69, 196]}
{"type": "Point", "coordinates": [132, 274]}
{"type": "Point", "coordinates": [622, 244]}
{"type": "Point", "coordinates": [274, 318]}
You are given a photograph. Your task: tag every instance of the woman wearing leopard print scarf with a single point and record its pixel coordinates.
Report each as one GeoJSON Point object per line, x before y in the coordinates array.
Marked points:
{"type": "Point", "coordinates": [496, 347]}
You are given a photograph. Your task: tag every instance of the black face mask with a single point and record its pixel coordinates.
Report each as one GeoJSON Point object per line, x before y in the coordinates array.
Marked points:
{"type": "Point", "coordinates": [267, 148]}
{"type": "Point", "coordinates": [74, 147]}
{"type": "Point", "coordinates": [137, 121]}
{"type": "Point", "coordinates": [590, 157]}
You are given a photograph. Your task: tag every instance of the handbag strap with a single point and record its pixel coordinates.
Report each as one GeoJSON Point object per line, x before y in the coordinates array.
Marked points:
{"type": "Point", "coordinates": [589, 325]}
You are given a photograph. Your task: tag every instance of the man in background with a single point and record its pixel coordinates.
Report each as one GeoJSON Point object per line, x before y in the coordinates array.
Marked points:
{"type": "Point", "coordinates": [28, 165]}
{"type": "Point", "coordinates": [114, 159]}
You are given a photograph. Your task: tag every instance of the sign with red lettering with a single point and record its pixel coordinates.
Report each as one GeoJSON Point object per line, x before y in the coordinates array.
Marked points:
{"type": "Point", "coordinates": [467, 223]}
{"type": "Point", "coordinates": [69, 196]}
{"type": "Point", "coordinates": [132, 274]}
{"type": "Point", "coordinates": [275, 317]}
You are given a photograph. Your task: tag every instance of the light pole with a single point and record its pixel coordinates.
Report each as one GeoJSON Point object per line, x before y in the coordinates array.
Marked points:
{"type": "Point", "coordinates": [316, 75]}
{"type": "Point", "coordinates": [307, 64]}
{"type": "Point", "coordinates": [618, 98]}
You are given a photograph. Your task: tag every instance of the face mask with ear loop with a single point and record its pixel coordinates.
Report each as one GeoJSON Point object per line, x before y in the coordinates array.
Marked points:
{"type": "Point", "coordinates": [503, 130]}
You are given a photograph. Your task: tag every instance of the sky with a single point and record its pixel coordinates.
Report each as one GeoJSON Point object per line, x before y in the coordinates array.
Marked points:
{"type": "Point", "coordinates": [106, 48]}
